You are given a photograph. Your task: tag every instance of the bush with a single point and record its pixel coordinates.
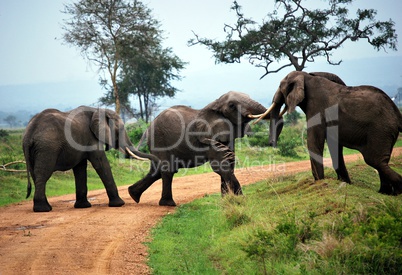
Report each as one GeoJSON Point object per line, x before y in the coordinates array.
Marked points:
{"type": "Point", "coordinates": [258, 135]}
{"type": "Point", "coordinates": [135, 132]}
{"type": "Point", "coordinates": [3, 133]}
{"type": "Point", "coordinates": [289, 139]}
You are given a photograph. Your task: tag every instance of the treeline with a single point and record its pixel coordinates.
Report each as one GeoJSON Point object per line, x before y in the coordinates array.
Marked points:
{"type": "Point", "coordinates": [15, 119]}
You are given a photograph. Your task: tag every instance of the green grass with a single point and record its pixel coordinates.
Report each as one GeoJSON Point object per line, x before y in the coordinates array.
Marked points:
{"type": "Point", "coordinates": [289, 225]}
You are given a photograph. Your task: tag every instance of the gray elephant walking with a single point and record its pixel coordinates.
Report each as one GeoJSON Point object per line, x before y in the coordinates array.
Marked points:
{"type": "Point", "coordinates": [362, 118]}
{"type": "Point", "coordinates": [182, 137]}
{"type": "Point", "coordinates": [59, 141]}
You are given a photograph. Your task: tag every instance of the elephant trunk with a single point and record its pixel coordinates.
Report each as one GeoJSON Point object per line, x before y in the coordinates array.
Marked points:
{"type": "Point", "coordinates": [275, 126]}
{"type": "Point", "coordinates": [276, 119]}
{"type": "Point", "coordinates": [252, 108]}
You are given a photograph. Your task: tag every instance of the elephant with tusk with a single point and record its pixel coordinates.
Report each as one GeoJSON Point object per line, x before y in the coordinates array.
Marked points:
{"type": "Point", "coordinates": [59, 141]}
{"type": "Point", "coordinates": [362, 118]}
{"type": "Point", "coordinates": [182, 137]}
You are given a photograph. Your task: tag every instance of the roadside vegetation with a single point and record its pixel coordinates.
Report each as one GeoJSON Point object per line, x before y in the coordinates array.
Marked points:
{"type": "Point", "coordinates": [287, 225]}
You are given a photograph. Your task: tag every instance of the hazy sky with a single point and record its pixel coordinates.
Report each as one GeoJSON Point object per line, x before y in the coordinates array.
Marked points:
{"type": "Point", "coordinates": [38, 71]}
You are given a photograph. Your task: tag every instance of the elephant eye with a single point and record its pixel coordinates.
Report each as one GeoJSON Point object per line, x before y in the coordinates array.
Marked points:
{"type": "Point", "coordinates": [232, 105]}
{"type": "Point", "coordinates": [290, 87]}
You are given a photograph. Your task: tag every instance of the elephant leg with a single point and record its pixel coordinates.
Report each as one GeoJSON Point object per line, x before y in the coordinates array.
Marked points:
{"type": "Point", "coordinates": [140, 186]}
{"type": "Point", "coordinates": [41, 174]}
{"type": "Point", "coordinates": [315, 144]}
{"type": "Point", "coordinates": [224, 186]}
{"type": "Point", "coordinates": [338, 161]}
{"type": "Point", "coordinates": [222, 161]}
{"type": "Point", "coordinates": [167, 196]}
{"type": "Point", "coordinates": [81, 188]}
{"type": "Point", "coordinates": [390, 181]}
{"type": "Point", "coordinates": [102, 168]}
{"type": "Point", "coordinates": [230, 183]}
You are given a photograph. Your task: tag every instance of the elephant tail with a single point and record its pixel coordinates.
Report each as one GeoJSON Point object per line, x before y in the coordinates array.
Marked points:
{"type": "Point", "coordinates": [28, 166]}
{"type": "Point", "coordinates": [399, 121]}
{"type": "Point", "coordinates": [29, 186]}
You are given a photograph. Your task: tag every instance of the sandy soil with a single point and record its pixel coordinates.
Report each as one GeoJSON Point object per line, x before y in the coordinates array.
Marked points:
{"type": "Point", "coordinates": [103, 240]}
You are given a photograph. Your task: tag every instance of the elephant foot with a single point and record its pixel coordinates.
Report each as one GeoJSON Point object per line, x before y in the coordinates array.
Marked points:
{"type": "Point", "coordinates": [345, 179]}
{"type": "Point", "coordinates": [42, 207]}
{"type": "Point", "coordinates": [167, 202]}
{"type": "Point", "coordinates": [134, 194]}
{"type": "Point", "coordinates": [82, 204]}
{"type": "Point", "coordinates": [116, 202]}
{"type": "Point", "coordinates": [386, 189]}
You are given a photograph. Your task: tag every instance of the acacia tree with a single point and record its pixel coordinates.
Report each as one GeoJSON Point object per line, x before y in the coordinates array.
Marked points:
{"type": "Point", "coordinates": [148, 77]}
{"type": "Point", "coordinates": [101, 29]}
{"type": "Point", "coordinates": [11, 120]}
{"type": "Point", "coordinates": [298, 35]}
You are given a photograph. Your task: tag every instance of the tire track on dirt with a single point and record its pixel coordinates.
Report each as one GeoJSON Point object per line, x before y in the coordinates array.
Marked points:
{"type": "Point", "coordinates": [104, 240]}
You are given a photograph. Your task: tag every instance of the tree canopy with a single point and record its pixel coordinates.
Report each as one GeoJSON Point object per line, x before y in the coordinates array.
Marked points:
{"type": "Point", "coordinates": [297, 34]}
{"type": "Point", "coordinates": [147, 76]}
{"type": "Point", "coordinates": [103, 30]}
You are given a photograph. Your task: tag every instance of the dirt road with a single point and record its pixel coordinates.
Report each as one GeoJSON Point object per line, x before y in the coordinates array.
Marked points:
{"type": "Point", "coordinates": [103, 240]}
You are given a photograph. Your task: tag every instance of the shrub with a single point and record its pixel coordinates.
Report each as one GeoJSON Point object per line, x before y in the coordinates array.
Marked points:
{"type": "Point", "coordinates": [289, 139]}
{"type": "Point", "coordinates": [135, 132]}
{"type": "Point", "coordinates": [258, 135]}
{"type": "Point", "coordinates": [3, 133]}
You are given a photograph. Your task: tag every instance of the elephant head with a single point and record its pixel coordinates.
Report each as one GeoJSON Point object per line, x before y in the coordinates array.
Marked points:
{"type": "Point", "coordinates": [291, 94]}
{"type": "Point", "coordinates": [227, 118]}
{"type": "Point", "coordinates": [109, 129]}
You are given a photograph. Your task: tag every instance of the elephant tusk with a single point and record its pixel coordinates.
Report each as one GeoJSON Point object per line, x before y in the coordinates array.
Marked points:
{"type": "Point", "coordinates": [261, 116]}
{"type": "Point", "coordinates": [283, 111]}
{"type": "Point", "coordinates": [254, 116]}
{"type": "Point", "coordinates": [134, 155]}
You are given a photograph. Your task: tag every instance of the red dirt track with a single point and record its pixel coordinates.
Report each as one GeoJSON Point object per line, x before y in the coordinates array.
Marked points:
{"type": "Point", "coordinates": [100, 239]}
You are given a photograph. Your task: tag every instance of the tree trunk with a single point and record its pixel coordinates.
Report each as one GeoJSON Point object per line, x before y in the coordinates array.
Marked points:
{"type": "Point", "coordinates": [146, 105]}
{"type": "Point", "coordinates": [117, 98]}
{"type": "Point", "coordinates": [113, 75]}
{"type": "Point", "coordinates": [141, 109]}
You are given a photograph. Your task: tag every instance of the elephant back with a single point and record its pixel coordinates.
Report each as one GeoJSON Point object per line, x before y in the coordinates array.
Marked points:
{"type": "Point", "coordinates": [168, 130]}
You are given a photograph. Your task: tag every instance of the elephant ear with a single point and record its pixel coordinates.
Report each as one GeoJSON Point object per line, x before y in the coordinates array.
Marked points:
{"type": "Point", "coordinates": [294, 92]}
{"type": "Point", "coordinates": [100, 127]}
{"type": "Point", "coordinates": [211, 125]}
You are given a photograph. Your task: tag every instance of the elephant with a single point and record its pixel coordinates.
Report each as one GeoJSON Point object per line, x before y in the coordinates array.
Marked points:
{"type": "Point", "coordinates": [362, 118]}
{"type": "Point", "coordinates": [276, 122]}
{"type": "Point", "coordinates": [182, 137]}
{"type": "Point", "coordinates": [59, 141]}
